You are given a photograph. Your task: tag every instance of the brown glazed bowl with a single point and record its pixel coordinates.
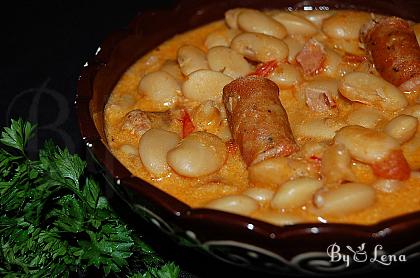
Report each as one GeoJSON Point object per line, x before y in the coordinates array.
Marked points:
{"type": "Point", "coordinates": [296, 249]}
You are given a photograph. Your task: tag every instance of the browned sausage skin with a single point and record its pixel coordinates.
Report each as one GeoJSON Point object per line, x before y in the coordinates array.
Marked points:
{"type": "Point", "coordinates": [393, 48]}
{"type": "Point", "coordinates": [257, 119]}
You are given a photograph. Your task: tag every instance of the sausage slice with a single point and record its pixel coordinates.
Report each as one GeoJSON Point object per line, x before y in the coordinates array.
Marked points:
{"type": "Point", "coordinates": [257, 119]}
{"type": "Point", "coordinates": [393, 48]}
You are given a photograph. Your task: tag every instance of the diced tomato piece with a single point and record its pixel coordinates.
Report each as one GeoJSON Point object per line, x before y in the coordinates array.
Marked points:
{"type": "Point", "coordinates": [265, 69]}
{"type": "Point", "coordinates": [187, 124]}
{"type": "Point", "coordinates": [395, 166]}
{"type": "Point", "coordinates": [315, 158]}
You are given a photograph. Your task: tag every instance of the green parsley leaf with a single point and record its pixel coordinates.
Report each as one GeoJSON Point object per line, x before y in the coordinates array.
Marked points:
{"type": "Point", "coordinates": [54, 222]}
{"type": "Point", "coordinates": [18, 134]}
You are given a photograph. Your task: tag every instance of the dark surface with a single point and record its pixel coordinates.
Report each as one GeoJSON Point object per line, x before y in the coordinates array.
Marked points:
{"type": "Point", "coordinates": [46, 44]}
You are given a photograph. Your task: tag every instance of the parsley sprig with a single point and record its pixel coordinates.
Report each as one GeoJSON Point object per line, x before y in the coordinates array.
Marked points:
{"type": "Point", "coordinates": [54, 222]}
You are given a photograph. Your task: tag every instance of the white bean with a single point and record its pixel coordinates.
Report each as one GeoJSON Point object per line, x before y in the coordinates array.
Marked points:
{"type": "Point", "coordinates": [345, 25]}
{"type": "Point", "coordinates": [231, 17]}
{"type": "Point", "coordinates": [216, 39]}
{"type": "Point", "coordinates": [153, 147]}
{"type": "Point", "coordinates": [365, 116]}
{"type": "Point", "coordinates": [191, 58]}
{"type": "Point", "coordinates": [238, 204]}
{"type": "Point", "coordinates": [272, 171]}
{"type": "Point", "coordinates": [280, 218]}
{"type": "Point", "coordinates": [259, 194]}
{"type": "Point", "coordinates": [286, 75]}
{"type": "Point", "coordinates": [199, 154]}
{"type": "Point", "coordinates": [160, 87]}
{"type": "Point", "coordinates": [205, 85]}
{"type": "Point", "coordinates": [172, 67]}
{"type": "Point", "coordinates": [228, 61]}
{"type": "Point", "coordinates": [316, 17]}
{"type": "Point", "coordinates": [294, 46]}
{"type": "Point", "coordinates": [258, 22]}
{"type": "Point", "coordinates": [319, 129]}
{"type": "Point", "coordinates": [412, 110]}
{"type": "Point", "coordinates": [369, 89]}
{"type": "Point", "coordinates": [366, 145]}
{"type": "Point", "coordinates": [260, 47]}
{"type": "Point", "coordinates": [296, 24]}
{"type": "Point", "coordinates": [221, 38]}
{"type": "Point", "coordinates": [402, 128]}
{"type": "Point", "coordinates": [295, 193]}
{"type": "Point", "coordinates": [387, 186]}
{"type": "Point", "coordinates": [335, 165]}
{"type": "Point", "coordinates": [345, 199]}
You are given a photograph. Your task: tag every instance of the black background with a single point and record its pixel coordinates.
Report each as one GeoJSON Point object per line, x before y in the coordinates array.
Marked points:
{"type": "Point", "coordinates": [44, 46]}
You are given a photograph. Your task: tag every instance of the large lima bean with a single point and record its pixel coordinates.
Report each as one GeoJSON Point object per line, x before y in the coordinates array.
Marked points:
{"type": "Point", "coordinates": [198, 154]}
{"type": "Point", "coordinates": [258, 22]}
{"type": "Point", "coordinates": [172, 67]}
{"type": "Point", "coordinates": [153, 148]}
{"type": "Point", "coordinates": [370, 89]}
{"type": "Point", "coordinates": [260, 194]}
{"type": "Point", "coordinates": [366, 145]}
{"type": "Point", "coordinates": [239, 204]}
{"type": "Point", "coordinates": [286, 75]}
{"type": "Point", "coordinates": [231, 17]}
{"type": "Point", "coordinates": [295, 46]}
{"type": "Point", "coordinates": [365, 116]}
{"type": "Point", "coordinates": [345, 25]}
{"type": "Point", "coordinates": [320, 129]}
{"type": "Point", "coordinates": [272, 171]}
{"type": "Point", "coordinates": [317, 17]}
{"type": "Point", "coordinates": [280, 218]}
{"type": "Point", "coordinates": [203, 85]}
{"type": "Point", "coordinates": [295, 193]}
{"type": "Point", "coordinates": [260, 47]}
{"type": "Point", "coordinates": [160, 87]}
{"type": "Point", "coordinates": [345, 199]}
{"type": "Point", "coordinates": [228, 61]}
{"type": "Point", "coordinates": [296, 24]}
{"type": "Point", "coordinates": [402, 128]}
{"type": "Point", "coordinates": [191, 58]}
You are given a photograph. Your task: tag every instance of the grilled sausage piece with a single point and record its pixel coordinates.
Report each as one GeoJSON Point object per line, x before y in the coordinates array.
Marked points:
{"type": "Point", "coordinates": [393, 48]}
{"type": "Point", "coordinates": [257, 120]}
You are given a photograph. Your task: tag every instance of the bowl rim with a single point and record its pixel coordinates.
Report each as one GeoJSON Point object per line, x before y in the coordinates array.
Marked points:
{"type": "Point", "coordinates": [177, 209]}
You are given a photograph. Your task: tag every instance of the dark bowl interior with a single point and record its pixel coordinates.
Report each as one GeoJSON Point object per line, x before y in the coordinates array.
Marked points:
{"type": "Point", "coordinates": [145, 32]}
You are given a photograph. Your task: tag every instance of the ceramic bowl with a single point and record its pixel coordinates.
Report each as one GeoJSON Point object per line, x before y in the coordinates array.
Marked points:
{"type": "Point", "coordinates": [298, 249]}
